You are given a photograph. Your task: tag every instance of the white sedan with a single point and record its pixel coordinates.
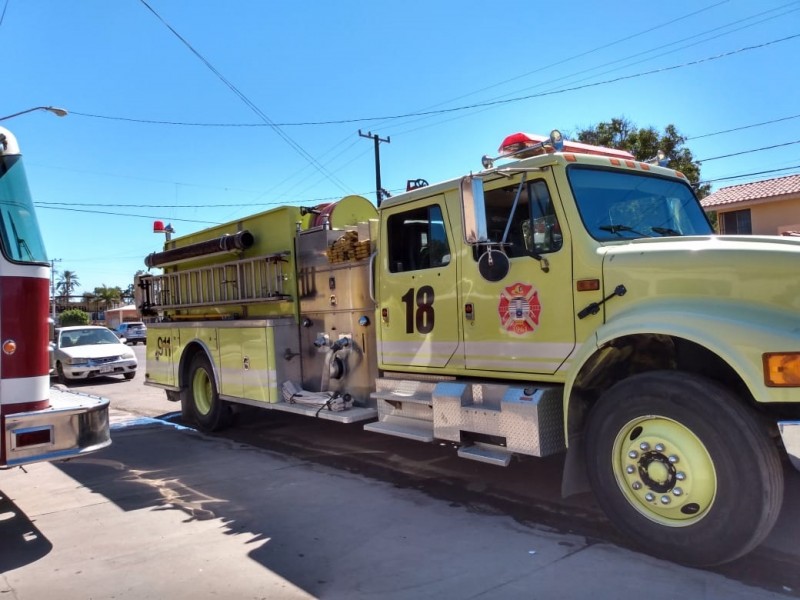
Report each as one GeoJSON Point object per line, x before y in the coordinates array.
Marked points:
{"type": "Point", "coordinates": [86, 351]}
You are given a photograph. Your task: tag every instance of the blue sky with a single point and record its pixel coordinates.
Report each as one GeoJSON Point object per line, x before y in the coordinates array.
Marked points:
{"type": "Point", "coordinates": [101, 175]}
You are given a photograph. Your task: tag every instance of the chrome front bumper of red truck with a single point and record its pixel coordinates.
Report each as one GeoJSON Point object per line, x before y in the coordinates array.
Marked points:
{"type": "Point", "coordinates": [73, 425]}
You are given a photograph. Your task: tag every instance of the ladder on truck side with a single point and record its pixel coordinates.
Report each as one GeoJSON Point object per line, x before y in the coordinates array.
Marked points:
{"type": "Point", "coordinates": [244, 281]}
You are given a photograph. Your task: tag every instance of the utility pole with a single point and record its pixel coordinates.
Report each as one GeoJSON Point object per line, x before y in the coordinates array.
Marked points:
{"type": "Point", "coordinates": [53, 284]}
{"type": "Point", "coordinates": [377, 139]}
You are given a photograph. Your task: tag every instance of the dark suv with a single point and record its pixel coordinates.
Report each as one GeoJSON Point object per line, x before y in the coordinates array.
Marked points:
{"type": "Point", "coordinates": [132, 332]}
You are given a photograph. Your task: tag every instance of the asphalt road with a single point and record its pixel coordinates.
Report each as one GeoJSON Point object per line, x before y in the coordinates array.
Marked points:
{"type": "Point", "coordinates": [298, 508]}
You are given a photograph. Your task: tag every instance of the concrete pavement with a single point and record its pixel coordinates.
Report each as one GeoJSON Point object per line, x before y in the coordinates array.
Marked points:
{"type": "Point", "coordinates": [167, 512]}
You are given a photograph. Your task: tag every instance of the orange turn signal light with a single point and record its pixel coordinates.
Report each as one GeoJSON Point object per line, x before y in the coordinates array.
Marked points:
{"type": "Point", "coordinates": [782, 369]}
{"type": "Point", "coordinates": [9, 347]}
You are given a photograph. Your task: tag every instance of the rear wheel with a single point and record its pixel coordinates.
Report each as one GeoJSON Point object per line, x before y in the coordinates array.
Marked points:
{"type": "Point", "coordinates": [683, 468]}
{"type": "Point", "coordinates": [129, 375]}
{"type": "Point", "coordinates": [201, 401]}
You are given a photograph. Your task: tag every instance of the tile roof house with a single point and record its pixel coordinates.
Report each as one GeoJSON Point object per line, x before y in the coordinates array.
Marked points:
{"type": "Point", "coordinates": [767, 207]}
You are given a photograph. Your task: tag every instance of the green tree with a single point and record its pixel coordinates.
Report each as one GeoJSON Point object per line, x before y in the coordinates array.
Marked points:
{"type": "Point", "coordinates": [67, 282]}
{"type": "Point", "coordinates": [128, 295]}
{"type": "Point", "coordinates": [73, 316]}
{"type": "Point", "coordinates": [108, 295]}
{"type": "Point", "coordinates": [645, 143]}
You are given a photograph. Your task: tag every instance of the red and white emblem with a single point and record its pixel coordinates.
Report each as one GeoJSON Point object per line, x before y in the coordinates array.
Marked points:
{"type": "Point", "coordinates": [519, 308]}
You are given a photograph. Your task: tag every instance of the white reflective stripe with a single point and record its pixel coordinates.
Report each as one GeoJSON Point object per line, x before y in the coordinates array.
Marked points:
{"type": "Point", "coordinates": [24, 389]}
{"type": "Point", "coordinates": [408, 352]}
{"type": "Point", "coordinates": [9, 269]}
{"type": "Point", "coordinates": [250, 376]}
{"type": "Point", "coordinates": [522, 351]}
{"type": "Point", "coordinates": [492, 365]}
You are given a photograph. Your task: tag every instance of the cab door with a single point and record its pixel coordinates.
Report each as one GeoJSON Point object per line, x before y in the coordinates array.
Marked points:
{"type": "Point", "coordinates": [524, 322]}
{"type": "Point", "coordinates": [418, 299]}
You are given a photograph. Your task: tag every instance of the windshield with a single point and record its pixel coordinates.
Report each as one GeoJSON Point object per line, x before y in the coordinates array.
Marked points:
{"type": "Point", "coordinates": [87, 337]}
{"type": "Point", "coordinates": [20, 239]}
{"type": "Point", "coordinates": [617, 205]}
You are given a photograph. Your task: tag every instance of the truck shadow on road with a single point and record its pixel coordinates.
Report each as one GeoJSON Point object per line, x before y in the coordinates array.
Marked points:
{"type": "Point", "coordinates": [257, 480]}
{"type": "Point", "coordinates": [22, 542]}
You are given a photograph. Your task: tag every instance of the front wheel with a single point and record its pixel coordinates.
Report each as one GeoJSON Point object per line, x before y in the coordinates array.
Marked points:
{"type": "Point", "coordinates": [201, 401]}
{"type": "Point", "coordinates": [683, 468]}
{"type": "Point", "coordinates": [62, 377]}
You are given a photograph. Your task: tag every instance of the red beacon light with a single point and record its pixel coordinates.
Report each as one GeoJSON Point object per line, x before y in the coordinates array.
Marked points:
{"type": "Point", "coordinates": [524, 145]}
{"type": "Point", "coordinates": [159, 227]}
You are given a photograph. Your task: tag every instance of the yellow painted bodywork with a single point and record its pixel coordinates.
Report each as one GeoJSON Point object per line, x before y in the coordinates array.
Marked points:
{"type": "Point", "coordinates": [482, 346]}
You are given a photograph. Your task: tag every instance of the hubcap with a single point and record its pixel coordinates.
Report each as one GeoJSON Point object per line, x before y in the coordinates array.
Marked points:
{"type": "Point", "coordinates": [202, 391]}
{"type": "Point", "coordinates": [664, 471]}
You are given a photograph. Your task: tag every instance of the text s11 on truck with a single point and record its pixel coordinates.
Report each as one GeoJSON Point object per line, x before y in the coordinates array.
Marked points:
{"type": "Point", "coordinates": [571, 299]}
{"type": "Point", "coordinates": [37, 422]}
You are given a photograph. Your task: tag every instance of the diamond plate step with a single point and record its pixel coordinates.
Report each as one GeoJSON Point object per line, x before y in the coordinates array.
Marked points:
{"type": "Point", "coordinates": [497, 455]}
{"type": "Point", "coordinates": [411, 429]}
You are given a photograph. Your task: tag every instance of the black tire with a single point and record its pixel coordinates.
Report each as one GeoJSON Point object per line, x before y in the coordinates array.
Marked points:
{"type": "Point", "coordinates": [62, 377]}
{"type": "Point", "coordinates": [200, 402]}
{"type": "Point", "coordinates": [714, 476]}
{"type": "Point", "coordinates": [129, 376]}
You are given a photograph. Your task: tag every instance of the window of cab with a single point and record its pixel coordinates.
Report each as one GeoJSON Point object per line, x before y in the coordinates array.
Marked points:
{"type": "Point", "coordinates": [417, 240]}
{"type": "Point", "coordinates": [529, 227]}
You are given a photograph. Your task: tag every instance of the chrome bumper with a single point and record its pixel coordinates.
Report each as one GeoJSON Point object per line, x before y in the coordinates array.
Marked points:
{"type": "Point", "coordinates": [75, 424]}
{"type": "Point", "coordinates": [790, 433]}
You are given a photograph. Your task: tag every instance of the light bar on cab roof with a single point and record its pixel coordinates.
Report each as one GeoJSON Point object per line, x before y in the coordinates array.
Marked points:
{"type": "Point", "coordinates": [525, 145]}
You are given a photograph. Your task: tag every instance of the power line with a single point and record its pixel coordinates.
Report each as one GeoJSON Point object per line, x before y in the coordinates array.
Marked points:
{"type": "Point", "coordinates": [456, 108]}
{"type": "Point", "coordinates": [116, 214]}
{"type": "Point", "coordinates": [697, 137]}
{"type": "Point", "coordinates": [702, 160]}
{"type": "Point", "coordinates": [250, 104]}
{"type": "Point", "coordinates": [585, 53]}
{"type": "Point", "coordinates": [3, 14]}
{"type": "Point", "coordinates": [748, 174]}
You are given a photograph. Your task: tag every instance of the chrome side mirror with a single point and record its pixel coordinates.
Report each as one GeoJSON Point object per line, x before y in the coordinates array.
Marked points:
{"type": "Point", "coordinates": [473, 208]}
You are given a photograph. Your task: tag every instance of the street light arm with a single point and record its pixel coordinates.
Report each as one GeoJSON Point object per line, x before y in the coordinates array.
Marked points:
{"type": "Point", "coordinates": [59, 112]}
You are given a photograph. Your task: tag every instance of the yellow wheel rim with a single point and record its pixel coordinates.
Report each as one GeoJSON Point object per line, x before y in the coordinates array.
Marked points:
{"type": "Point", "coordinates": [202, 391]}
{"type": "Point", "coordinates": [664, 471]}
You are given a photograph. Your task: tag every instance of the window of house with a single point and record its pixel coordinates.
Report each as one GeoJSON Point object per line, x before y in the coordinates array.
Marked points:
{"type": "Point", "coordinates": [737, 221]}
{"type": "Point", "coordinates": [417, 240]}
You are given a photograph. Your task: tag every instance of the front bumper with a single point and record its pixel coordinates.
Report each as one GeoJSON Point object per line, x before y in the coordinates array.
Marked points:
{"type": "Point", "coordinates": [73, 425]}
{"type": "Point", "coordinates": [790, 433]}
{"type": "Point", "coordinates": [88, 369]}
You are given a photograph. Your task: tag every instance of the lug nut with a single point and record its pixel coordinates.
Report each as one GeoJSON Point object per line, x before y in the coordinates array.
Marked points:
{"type": "Point", "coordinates": [680, 475]}
{"type": "Point", "coordinates": [659, 447]}
{"type": "Point", "coordinates": [677, 492]}
{"type": "Point", "coordinates": [673, 458]}
{"type": "Point", "coordinates": [636, 485]}
{"type": "Point", "coordinates": [630, 469]}
{"type": "Point", "coordinates": [665, 500]}
{"type": "Point", "coordinates": [633, 454]}
{"type": "Point", "coordinates": [649, 496]}
{"type": "Point", "coordinates": [644, 446]}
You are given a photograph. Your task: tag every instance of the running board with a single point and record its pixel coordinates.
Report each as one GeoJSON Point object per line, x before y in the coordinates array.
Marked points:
{"type": "Point", "coordinates": [355, 414]}
{"type": "Point", "coordinates": [497, 456]}
{"type": "Point", "coordinates": [410, 429]}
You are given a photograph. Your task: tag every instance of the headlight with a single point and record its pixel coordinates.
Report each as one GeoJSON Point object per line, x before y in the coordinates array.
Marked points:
{"type": "Point", "coordinates": [128, 355]}
{"type": "Point", "coordinates": [782, 369]}
{"type": "Point", "coordinates": [75, 361]}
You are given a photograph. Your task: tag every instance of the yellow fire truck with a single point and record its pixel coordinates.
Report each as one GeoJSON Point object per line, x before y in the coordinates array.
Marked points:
{"type": "Point", "coordinates": [565, 298]}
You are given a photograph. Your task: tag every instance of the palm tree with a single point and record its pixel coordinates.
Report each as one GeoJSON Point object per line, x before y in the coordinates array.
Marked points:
{"type": "Point", "coordinates": [67, 282]}
{"type": "Point", "coordinates": [108, 295]}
